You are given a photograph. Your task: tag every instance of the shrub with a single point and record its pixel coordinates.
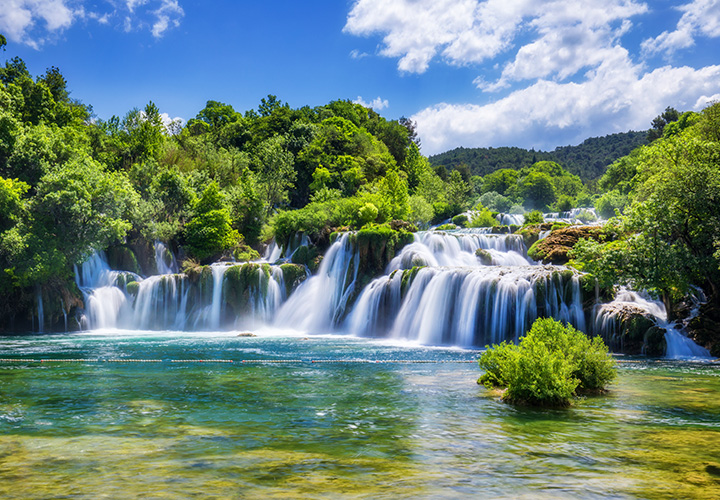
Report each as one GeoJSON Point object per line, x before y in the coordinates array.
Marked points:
{"type": "Point", "coordinates": [460, 220]}
{"type": "Point", "coordinates": [551, 364]}
{"type": "Point", "coordinates": [534, 217]}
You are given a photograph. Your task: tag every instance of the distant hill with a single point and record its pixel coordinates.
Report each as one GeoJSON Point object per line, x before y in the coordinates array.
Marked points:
{"type": "Point", "coordinates": [588, 160]}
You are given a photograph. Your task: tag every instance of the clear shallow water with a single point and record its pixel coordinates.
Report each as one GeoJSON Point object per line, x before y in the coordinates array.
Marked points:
{"type": "Point", "coordinates": [335, 430]}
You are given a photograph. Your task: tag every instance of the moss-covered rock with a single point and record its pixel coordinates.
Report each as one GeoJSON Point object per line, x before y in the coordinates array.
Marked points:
{"type": "Point", "coordinates": [654, 342]}
{"type": "Point", "coordinates": [630, 330]}
{"type": "Point", "coordinates": [531, 232]}
{"type": "Point", "coordinates": [132, 288]}
{"type": "Point", "coordinates": [240, 282]}
{"type": "Point", "coordinates": [293, 276]}
{"type": "Point", "coordinates": [304, 255]}
{"type": "Point", "coordinates": [244, 253]}
{"type": "Point", "coordinates": [123, 258]}
{"type": "Point", "coordinates": [555, 247]}
{"type": "Point", "coordinates": [484, 256]}
{"type": "Point", "coordinates": [376, 246]}
{"type": "Point", "coordinates": [407, 278]}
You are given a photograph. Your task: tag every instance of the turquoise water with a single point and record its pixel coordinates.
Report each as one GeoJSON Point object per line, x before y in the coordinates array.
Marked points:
{"type": "Point", "coordinates": [105, 429]}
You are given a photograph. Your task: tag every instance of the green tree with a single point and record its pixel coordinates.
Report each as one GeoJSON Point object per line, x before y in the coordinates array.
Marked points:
{"type": "Point", "coordinates": [275, 172]}
{"type": "Point", "coordinates": [537, 189]}
{"type": "Point", "coordinates": [210, 231]}
{"type": "Point", "coordinates": [11, 202]}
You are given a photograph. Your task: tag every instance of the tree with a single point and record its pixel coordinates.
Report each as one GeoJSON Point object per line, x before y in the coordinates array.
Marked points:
{"type": "Point", "coordinates": [210, 232]}
{"type": "Point", "coordinates": [275, 172]}
{"type": "Point", "coordinates": [500, 180]}
{"type": "Point", "coordinates": [11, 202]}
{"type": "Point", "coordinates": [457, 192]}
{"type": "Point", "coordinates": [537, 189]}
{"type": "Point", "coordinates": [659, 122]}
{"type": "Point", "coordinates": [551, 364]}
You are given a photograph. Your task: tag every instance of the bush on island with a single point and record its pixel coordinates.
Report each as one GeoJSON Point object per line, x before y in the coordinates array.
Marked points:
{"type": "Point", "coordinates": [550, 365]}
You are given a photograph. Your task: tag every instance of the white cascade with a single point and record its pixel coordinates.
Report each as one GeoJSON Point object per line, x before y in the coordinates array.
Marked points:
{"type": "Point", "coordinates": [319, 303]}
{"type": "Point", "coordinates": [679, 346]}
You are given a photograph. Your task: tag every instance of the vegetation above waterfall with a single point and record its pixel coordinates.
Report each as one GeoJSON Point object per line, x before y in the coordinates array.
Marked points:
{"type": "Point", "coordinates": [551, 364]}
{"type": "Point", "coordinates": [226, 182]}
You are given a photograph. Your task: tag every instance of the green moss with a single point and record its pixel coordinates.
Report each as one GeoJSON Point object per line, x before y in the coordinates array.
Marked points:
{"type": "Point", "coordinates": [377, 245]}
{"type": "Point", "coordinates": [446, 227]}
{"type": "Point", "coordinates": [536, 251]}
{"type": "Point", "coordinates": [237, 284]}
{"type": "Point", "coordinates": [123, 258]}
{"type": "Point", "coordinates": [314, 264]}
{"type": "Point", "coordinates": [293, 275]}
{"type": "Point", "coordinates": [132, 288]}
{"type": "Point", "coordinates": [407, 278]}
{"type": "Point", "coordinates": [484, 256]}
{"type": "Point", "coordinates": [244, 253]}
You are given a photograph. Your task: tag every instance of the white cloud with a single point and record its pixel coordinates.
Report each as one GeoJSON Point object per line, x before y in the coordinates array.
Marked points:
{"type": "Point", "coordinates": [172, 125]}
{"type": "Point", "coordinates": [356, 54]}
{"type": "Point", "coordinates": [20, 17]}
{"type": "Point", "coordinates": [699, 17]}
{"type": "Point", "coordinates": [467, 32]}
{"type": "Point", "coordinates": [377, 104]}
{"type": "Point", "coordinates": [169, 13]}
{"type": "Point", "coordinates": [34, 22]}
{"type": "Point", "coordinates": [578, 78]}
{"type": "Point", "coordinates": [615, 98]}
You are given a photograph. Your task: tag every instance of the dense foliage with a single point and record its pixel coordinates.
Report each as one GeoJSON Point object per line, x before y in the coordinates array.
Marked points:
{"type": "Point", "coordinates": [670, 230]}
{"type": "Point", "coordinates": [587, 160]}
{"type": "Point", "coordinates": [550, 365]}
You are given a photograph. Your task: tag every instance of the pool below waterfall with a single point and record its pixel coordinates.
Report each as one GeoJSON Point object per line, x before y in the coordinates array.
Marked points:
{"type": "Point", "coordinates": [130, 414]}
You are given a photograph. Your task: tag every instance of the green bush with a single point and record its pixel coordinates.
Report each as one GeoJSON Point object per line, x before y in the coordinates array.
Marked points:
{"type": "Point", "coordinates": [460, 220]}
{"type": "Point", "coordinates": [551, 364]}
{"type": "Point", "coordinates": [534, 217]}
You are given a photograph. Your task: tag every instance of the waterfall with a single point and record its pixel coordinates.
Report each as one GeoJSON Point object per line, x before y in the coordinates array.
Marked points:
{"type": "Point", "coordinates": [459, 248]}
{"type": "Point", "coordinates": [272, 253]}
{"type": "Point", "coordinates": [165, 262]}
{"type": "Point", "coordinates": [119, 299]}
{"type": "Point", "coordinates": [40, 311]}
{"type": "Point", "coordinates": [679, 346]}
{"type": "Point", "coordinates": [511, 219]}
{"type": "Point", "coordinates": [218, 272]}
{"type": "Point", "coordinates": [319, 303]}
{"type": "Point", "coordinates": [464, 306]}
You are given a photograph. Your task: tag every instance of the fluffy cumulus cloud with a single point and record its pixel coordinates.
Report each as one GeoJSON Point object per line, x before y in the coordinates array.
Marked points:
{"type": "Point", "coordinates": [551, 73]}
{"type": "Point", "coordinates": [35, 22]}
{"type": "Point", "coordinates": [377, 104]}
{"type": "Point", "coordinates": [700, 18]}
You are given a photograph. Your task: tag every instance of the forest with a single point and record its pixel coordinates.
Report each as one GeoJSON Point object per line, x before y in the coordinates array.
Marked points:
{"type": "Point", "coordinates": [227, 183]}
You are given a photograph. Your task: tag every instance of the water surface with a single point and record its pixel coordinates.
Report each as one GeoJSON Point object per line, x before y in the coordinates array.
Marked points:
{"type": "Point", "coordinates": [398, 428]}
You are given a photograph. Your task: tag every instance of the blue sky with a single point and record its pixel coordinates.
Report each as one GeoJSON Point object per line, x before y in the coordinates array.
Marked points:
{"type": "Point", "coordinates": [470, 73]}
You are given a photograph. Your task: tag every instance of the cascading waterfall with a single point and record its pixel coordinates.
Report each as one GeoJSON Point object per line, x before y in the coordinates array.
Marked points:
{"type": "Point", "coordinates": [119, 299]}
{"type": "Point", "coordinates": [465, 306]}
{"type": "Point", "coordinates": [464, 287]}
{"type": "Point", "coordinates": [679, 346]}
{"type": "Point", "coordinates": [320, 302]}
{"type": "Point", "coordinates": [40, 311]}
{"type": "Point", "coordinates": [165, 261]}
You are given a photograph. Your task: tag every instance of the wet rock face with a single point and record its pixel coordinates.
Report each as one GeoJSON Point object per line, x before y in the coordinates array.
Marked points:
{"type": "Point", "coordinates": [631, 330]}
{"type": "Point", "coordinates": [705, 328]}
{"type": "Point", "coordinates": [555, 247]}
